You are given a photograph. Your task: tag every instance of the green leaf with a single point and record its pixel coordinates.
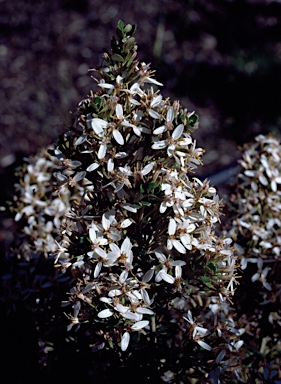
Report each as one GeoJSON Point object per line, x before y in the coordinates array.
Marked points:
{"type": "Point", "coordinates": [145, 203]}
{"type": "Point", "coordinates": [128, 28]}
{"type": "Point", "coordinates": [207, 281]}
{"type": "Point", "coordinates": [130, 43]}
{"type": "Point", "coordinates": [98, 102]}
{"type": "Point", "coordinates": [152, 186]}
{"type": "Point", "coordinates": [120, 25]}
{"type": "Point", "coordinates": [193, 119]}
{"type": "Point", "coordinates": [129, 62]}
{"type": "Point", "coordinates": [117, 57]}
{"type": "Point", "coordinates": [212, 267]}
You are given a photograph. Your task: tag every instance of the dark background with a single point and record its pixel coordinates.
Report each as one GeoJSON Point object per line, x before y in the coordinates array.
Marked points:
{"type": "Point", "coordinates": [219, 58]}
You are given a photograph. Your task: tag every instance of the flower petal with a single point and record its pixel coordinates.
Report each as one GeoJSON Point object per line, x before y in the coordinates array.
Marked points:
{"type": "Point", "coordinates": [92, 167]}
{"type": "Point", "coordinates": [105, 222]}
{"type": "Point", "coordinates": [152, 81]}
{"type": "Point", "coordinates": [160, 130]}
{"type": "Point", "coordinates": [105, 313]}
{"type": "Point", "coordinates": [106, 85]}
{"type": "Point", "coordinates": [139, 325]}
{"type": "Point", "coordinates": [147, 168]}
{"type": "Point", "coordinates": [204, 345]}
{"type": "Point", "coordinates": [123, 276]}
{"type": "Point", "coordinates": [165, 276]}
{"type": "Point", "coordinates": [172, 227]}
{"type": "Point", "coordinates": [118, 137]}
{"type": "Point", "coordinates": [159, 144]}
{"type": "Point", "coordinates": [102, 151]}
{"type": "Point", "coordinates": [125, 341]}
{"type": "Point", "coordinates": [153, 114]}
{"type": "Point", "coordinates": [126, 223]}
{"type": "Point", "coordinates": [148, 276]}
{"type": "Point", "coordinates": [98, 125]}
{"type": "Point", "coordinates": [119, 111]}
{"type": "Point", "coordinates": [97, 270]}
{"type": "Point", "coordinates": [170, 114]}
{"type": "Point", "coordinates": [144, 311]}
{"type": "Point", "coordinates": [178, 132]}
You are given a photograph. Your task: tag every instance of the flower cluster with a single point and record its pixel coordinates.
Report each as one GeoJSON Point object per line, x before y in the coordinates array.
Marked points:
{"type": "Point", "coordinates": [142, 236]}
{"type": "Point", "coordinates": [119, 211]}
{"type": "Point", "coordinates": [38, 206]}
{"type": "Point", "coordinates": [258, 200]}
{"type": "Point", "coordinates": [256, 231]}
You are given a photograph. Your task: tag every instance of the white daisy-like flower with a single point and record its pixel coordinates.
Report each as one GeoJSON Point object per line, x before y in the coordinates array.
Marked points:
{"type": "Point", "coordinates": [169, 122]}
{"type": "Point", "coordinates": [173, 141]}
{"type": "Point", "coordinates": [99, 125]}
{"type": "Point", "coordinates": [126, 336]}
{"type": "Point", "coordinates": [172, 241]}
{"type": "Point", "coordinates": [123, 254]}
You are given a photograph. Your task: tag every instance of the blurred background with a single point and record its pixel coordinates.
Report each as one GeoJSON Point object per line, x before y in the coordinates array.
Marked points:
{"type": "Point", "coordinates": [219, 58]}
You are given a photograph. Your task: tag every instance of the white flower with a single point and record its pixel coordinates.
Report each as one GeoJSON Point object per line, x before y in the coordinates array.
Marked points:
{"type": "Point", "coordinates": [169, 122]}
{"type": "Point", "coordinates": [163, 275]}
{"type": "Point", "coordinates": [172, 241]}
{"type": "Point", "coordinates": [95, 239]}
{"type": "Point", "coordinates": [261, 276]}
{"type": "Point", "coordinates": [171, 142]}
{"type": "Point", "coordinates": [122, 178]}
{"type": "Point", "coordinates": [198, 331]}
{"type": "Point", "coordinates": [126, 336]}
{"type": "Point", "coordinates": [123, 254]}
{"type": "Point", "coordinates": [99, 125]}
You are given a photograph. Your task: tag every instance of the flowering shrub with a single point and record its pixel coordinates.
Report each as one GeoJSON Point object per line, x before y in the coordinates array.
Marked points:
{"type": "Point", "coordinates": [132, 231]}
{"type": "Point", "coordinates": [256, 231]}
{"type": "Point", "coordinates": [141, 238]}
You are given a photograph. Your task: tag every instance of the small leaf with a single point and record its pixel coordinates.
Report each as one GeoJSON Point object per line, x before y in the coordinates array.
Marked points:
{"type": "Point", "coordinates": [120, 25]}
{"type": "Point", "coordinates": [128, 28]}
{"type": "Point", "coordinates": [117, 57]}
{"type": "Point", "coordinates": [145, 203]}
{"type": "Point", "coordinates": [47, 285]}
{"type": "Point", "coordinates": [207, 282]}
{"type": "Point", "coordinates": [212, 267]}
{"type": "Point", "coordinates": [131, 41]}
